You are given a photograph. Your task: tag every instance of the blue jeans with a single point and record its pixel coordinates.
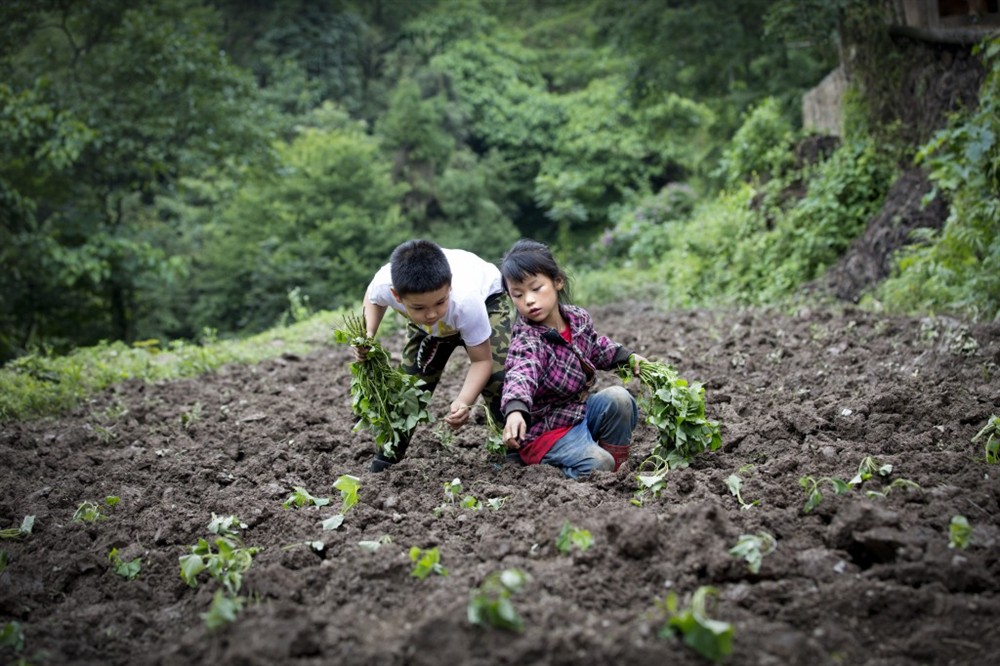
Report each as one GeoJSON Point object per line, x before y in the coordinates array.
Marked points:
{"type": "Point", "coordinates": [611, 417]}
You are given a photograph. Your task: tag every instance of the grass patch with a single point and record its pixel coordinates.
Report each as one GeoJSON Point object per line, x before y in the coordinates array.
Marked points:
{"type": "Point", "coordinates": [42, 385]}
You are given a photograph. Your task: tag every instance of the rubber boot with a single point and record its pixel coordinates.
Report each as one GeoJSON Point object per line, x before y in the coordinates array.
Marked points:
{"type": "Point", "coordinates": [380, 463]}
{"type": "Point", "coordinates": [619, 452]}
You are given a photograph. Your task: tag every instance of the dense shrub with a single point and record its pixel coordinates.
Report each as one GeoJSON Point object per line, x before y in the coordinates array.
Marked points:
{"type": "Point", "coordinates": [957, 270]}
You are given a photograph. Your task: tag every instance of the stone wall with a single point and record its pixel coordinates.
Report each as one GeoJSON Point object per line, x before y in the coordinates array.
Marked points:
{"type": "Point", "coordinates": [822, 106]}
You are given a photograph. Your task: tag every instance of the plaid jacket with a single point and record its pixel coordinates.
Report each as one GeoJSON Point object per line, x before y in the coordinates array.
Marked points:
{"type": "Point", "coordinates": [547, 379]}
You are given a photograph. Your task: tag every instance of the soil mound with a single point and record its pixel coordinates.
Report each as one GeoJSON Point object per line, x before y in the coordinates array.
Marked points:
{"type": "Point", "coordinates": [866, 577]}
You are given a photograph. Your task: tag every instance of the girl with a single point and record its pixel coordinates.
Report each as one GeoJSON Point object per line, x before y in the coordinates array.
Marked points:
{"type": "Point", "coordinates": [550, 416]}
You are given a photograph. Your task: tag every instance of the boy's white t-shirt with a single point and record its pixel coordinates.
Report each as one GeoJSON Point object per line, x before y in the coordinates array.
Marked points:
{"type": "Point", "coordinates": [473, 280]}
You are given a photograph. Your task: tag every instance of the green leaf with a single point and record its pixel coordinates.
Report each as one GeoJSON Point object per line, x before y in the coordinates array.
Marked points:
{"type": "Point", "coordinates": [333, 522]}
{"type": "Point", "coordinates": [191, 566]}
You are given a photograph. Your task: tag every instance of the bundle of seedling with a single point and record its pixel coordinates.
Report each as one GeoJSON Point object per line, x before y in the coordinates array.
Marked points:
{"type": "Point", "coordinates": [676, 409]}
{"type": "Point", "coordinates": [388, 402]}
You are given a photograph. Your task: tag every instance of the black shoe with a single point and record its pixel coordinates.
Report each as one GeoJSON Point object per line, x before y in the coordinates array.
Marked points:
{"type": "Point", "coordinates": [381, 463]}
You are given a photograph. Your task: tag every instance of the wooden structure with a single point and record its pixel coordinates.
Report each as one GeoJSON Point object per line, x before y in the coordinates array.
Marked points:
{"type": "Point", "coordinates": [948, 21]}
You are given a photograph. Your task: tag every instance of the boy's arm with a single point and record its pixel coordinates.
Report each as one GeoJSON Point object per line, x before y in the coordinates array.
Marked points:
{"type": "Point", "coordinates": [373, 317]}
{"type": "Point", "coordinates": [480, 370]}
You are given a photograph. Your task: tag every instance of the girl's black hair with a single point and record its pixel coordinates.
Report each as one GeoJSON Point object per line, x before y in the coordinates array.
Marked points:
{"type": "Point", "coordinates": [527, 257]}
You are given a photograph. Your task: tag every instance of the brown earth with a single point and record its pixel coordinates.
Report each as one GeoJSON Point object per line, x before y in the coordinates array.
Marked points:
{"type": "Point", "coordinates": [858, 580]}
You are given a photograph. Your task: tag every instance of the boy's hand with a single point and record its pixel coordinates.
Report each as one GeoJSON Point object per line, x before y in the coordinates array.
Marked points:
{"type": "Point", "coordinates": [459, 414]}
{"type": "Point", "coordinates": [360, 353]}
{"type": "Point", "coordinates": [513, 430]}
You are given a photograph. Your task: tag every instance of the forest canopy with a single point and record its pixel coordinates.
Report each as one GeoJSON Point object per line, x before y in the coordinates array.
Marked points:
{"type": "Point", "coordinates": [179, 167]}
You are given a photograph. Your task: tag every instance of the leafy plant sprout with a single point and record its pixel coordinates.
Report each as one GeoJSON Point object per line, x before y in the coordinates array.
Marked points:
{"type": "Point", "coordinates": [649, 485]}
{"type": "Point", "coordinates": [867, 468]}
{"type": "Point", "coordinates": [191, 417]}
{"type": "Point", "coordinates": [992, 445]}
{"type": "Point", "coordinates": [89, 511]}
{"type": "Point", "coordinates": [445, 436]}
{"type": "Point", "coordinates": [735, 485]}
{"type": "Point", "coordinates": [571, 536]}
{"type": "Point", "coordinates": [27, 524]}
{"type": "Point", "coordinates": [127, 570]}
{"type": "Point", "coordinates": [226, 526]}
{"type": "Point", "coordinates": [812, 487]}
{"type": "Point", "coordinates": [494, 439]}
{"type": "Point", "coordinates": [712, 639]}
{"type": "Point", "coordinates": [426, 562]}
{"type": "Point", "coordinates": [490, 603]}
{"type": "Point", "coordinates": [301, 497]}
{"type": "Point", "coordinates": [959, 532]}
{"type": "Point", "coordinates": [753, 548]}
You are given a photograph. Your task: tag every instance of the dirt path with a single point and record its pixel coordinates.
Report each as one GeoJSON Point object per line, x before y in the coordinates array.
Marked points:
{"type": "Point", "coordinates": [858, 580]}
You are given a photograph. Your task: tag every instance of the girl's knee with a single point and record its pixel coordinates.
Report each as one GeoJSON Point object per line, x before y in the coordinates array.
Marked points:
{"type": "Point", "coordinates": [620, 396]}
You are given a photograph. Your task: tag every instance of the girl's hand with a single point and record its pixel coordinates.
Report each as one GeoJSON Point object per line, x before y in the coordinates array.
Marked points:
{"type": "Point", "coordinates": [459, 414]}
{"type": "Point", "coordinates": [636, 360]}
{"type": "Point", "coordinates": [513, 430]}
{"type": "Point", "coordinates": [360, 354]}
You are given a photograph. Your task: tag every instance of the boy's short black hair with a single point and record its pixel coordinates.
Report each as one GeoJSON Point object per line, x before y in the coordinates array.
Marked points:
{"type": "Point", "coordinates": [419, 266]}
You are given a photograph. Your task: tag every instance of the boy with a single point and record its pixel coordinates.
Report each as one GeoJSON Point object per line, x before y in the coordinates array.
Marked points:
{"type": "Point", "coordinates": [451, 298]}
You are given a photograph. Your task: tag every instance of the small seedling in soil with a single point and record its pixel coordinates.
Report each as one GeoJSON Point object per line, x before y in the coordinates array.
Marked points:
{"type": "Point", "coordinates": [496, 503]}
{"type": "Point", "coordinates": [316, 546]}
{"type": "Point", "coordinates": [571, 536]}
{"type": "Point", "coordinates": [348, 486]}
{"type": "Point", "coordinates": [89, 512]}
{"type": "Point", "coordinates": [426, 562]}
{"type": "Point", "coordinates": [867, 469]}
{"type": "Point", "coordinates": [445, 436]}
{"type": "Point", "coordinates": [649, 486]}
{"type": "Point", "coordinates": [301, 497]}
{"type": "Point", "coordinates": [127, 570]}
{"type": "Point", "coordinates": [223, 610]}
{"type": "Point", "coordinates": [494, 439]}
{"type": "Point", "coordinates": [712, 639]}
{"type": "Point", "coordinates": [735, 485]}
{"type": "Point", "coordinates": [12, 636]}
{"type": "Point", "coordinates": [813, 495]}
{"type": "Point", "coordinates": [376, 544]}
{"type": "Point", "coordinates": [453, 493]}
{"type": "Point", "coordinates": [452, 489]}
{"type": "Point", "coordinates": [27, 524]}
{"type": "Point", "coordinates": [191, 417]}
{"type": "Point", "coordinates": [959, 532]}
{"type": "Point", "coordinates": [677, 410]}
{"type": "Point", "coordinates": [753, 548]}
{"type": "Point", "coordinates": [226, 526]}
{"type": "Point", "coordinates": [388, 403]}
{"type": "Point", "coordinates": [992, 445]}
{"type": "Point", "coordinates": [333, 522]}
{"type": "Point", "coordinates": [490, 602]}
{"type": "Point", "coordinates": [904, 484]}
{"type": "Point", "coordinates": [226, 565]}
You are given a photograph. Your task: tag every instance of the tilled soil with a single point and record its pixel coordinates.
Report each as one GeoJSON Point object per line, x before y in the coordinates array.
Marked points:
{"type": "Point", "coordinates": [860, 579]}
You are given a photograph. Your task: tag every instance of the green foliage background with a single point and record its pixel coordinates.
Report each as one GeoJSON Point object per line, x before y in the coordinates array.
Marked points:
{"type": "Point", "coordinates": [177, 166]}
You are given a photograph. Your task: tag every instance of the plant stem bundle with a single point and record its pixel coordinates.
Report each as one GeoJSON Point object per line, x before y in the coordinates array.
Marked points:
{"type": "Point", "coordinates": [677, 410]}
{"type": "Point", "coordinates": [388, 402]}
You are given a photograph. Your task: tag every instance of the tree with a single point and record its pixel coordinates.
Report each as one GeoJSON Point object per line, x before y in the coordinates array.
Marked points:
{"type": "Point", "coordinates": [154, 99]}
{"type": "Point", "coordinates": [322, 220]}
